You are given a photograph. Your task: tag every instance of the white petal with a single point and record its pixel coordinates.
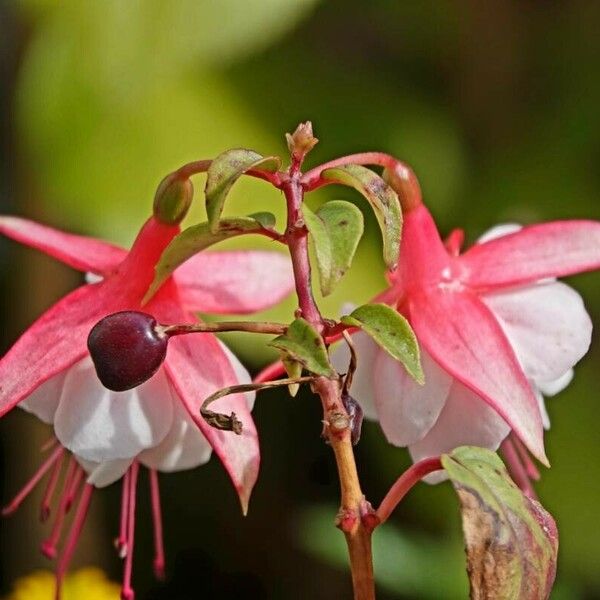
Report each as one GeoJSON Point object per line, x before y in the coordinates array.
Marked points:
{"type": "Point", "coordinates": [465, 420]}
{"type": "Point", "coordinates": [43, 401]}
{"type": "Point", "coordinates": [551, 388]}
{"type": "Point", "coordinates": [241, 373]}
{"type": "Point", "coordinates": [103, 474]}
{"type": "Point", "coordinates": [93, 278]}
{"type": "Point", "coordinates": [100, 425]}
{"type": "Point", "coordinates": [362, 384]}
{"type": "Point", "coordinates": [547, 325]}
{"type": "Point", "coordinates": [542, 407]}
{"type": "Point", "coordinates": [499, 231]}
{"type": "Point", "coordinates": [184, 447]}
{"type": "Point", "coordinates": [407, 410]}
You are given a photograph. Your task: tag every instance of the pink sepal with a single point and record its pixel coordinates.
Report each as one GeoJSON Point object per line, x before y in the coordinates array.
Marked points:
{"type": "Point", "coordinates": [536, 252]}
{"type": "Point", "coordinates": [463, 336]}
{"type": "Point", "coordinates": [81, 253]}
{"type": "Point", "coordinates": [197, 366]}
{"type": "Point", "coordinates": [52, 344]}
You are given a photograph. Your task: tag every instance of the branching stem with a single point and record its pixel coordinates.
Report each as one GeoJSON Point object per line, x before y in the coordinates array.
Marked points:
{"type": "Point", "coordinates": [353, 518]}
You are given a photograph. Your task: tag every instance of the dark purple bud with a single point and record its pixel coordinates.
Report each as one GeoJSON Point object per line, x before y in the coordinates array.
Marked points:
{"type": "Point", "coordinates": [355, 413]}
{"type": "Point", "coordinates": [127, 348]}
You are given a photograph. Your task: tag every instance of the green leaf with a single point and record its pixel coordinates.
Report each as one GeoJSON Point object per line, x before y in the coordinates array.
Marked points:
{"type": "Point", "coordinates": [294, 370]}
{"type": "Point", "coordinates": [266, 219]}
{"type": "Point", "coordinates": [224, 171]}
{"type": "Point", "coordinates": [194, 239]}
{"type": "Point", "coordinates": [303, 344]}
{"type": "Point", "coordinates": [392, 332]}
{"type": "Point", "coordinates": [382, 198]}
{"type": "Point", "coordinates": [511, 541]}
{"type": "Point", "coordinates": [336, 229]}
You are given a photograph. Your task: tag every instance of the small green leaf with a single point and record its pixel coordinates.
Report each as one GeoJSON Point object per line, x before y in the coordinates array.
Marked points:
{"type": "Point", "coordinates": [382, 198]}
{"type": "Point", "coordinates": [336, 229]}
{"type": "Point", "coordinates": [303, 344]}
{"type": "Point", "coordinates": [511, 540]}
{"type": "Point", "coordinates": [294, 370]}
{"type": "Point", "coordinates": [266, 219]}
{"type": "Point", "coordinates": [194, 239]}
{"type": "Point", "coordinates": [392, 332]}
{"type": "Point", "coordinates": [224, 171]}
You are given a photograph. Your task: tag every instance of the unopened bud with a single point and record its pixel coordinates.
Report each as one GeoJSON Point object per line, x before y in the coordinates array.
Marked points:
{"type": "Point", "coordinates": [302, 141]}
{"type": "Point", "coordinates": [405, 183]}
{"type": "Point", "coordinates": [172, 199]}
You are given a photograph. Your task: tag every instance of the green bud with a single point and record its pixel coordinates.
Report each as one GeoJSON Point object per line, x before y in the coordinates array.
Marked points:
{"type": "Point", "coordinates": [172, 199]}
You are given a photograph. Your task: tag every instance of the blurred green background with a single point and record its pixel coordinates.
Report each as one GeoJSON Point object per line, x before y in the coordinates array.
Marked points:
{"type": "Point", "coordinates": [494, 104]}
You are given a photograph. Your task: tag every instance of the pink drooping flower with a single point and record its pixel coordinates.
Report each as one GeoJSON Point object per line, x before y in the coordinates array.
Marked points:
{"type": "Point", "coordinates": [496, 331]}
{"type": "Point", "coordinates": [49, 372]}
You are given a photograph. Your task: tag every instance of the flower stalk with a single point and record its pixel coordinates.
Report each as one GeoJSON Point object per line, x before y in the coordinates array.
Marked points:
{"type": "Point", "coordinates": [353, 507]}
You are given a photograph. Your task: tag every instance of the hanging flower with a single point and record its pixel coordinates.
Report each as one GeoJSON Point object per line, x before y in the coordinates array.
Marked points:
{"type": "Point", "coordinates": [49, 372]}
{"type": "Point", "coordinates": [496, 332]}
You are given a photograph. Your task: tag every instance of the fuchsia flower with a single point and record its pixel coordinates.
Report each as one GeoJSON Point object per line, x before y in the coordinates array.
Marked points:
{"type": "Point", "coordinates": [496, 331]}
{"type": "Point", "coordinates": [48, 371]}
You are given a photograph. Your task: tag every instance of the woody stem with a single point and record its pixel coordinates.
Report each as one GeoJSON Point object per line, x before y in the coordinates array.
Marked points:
{"type": "Point", "coordinates": [353, 510]}
{"type": "Point", "coordinates": [247, 326]}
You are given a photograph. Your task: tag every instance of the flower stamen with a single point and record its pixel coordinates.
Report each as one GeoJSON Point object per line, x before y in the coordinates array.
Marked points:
{"type": "Point", "coordinates": [516, 468]}
{"type": "Point", "coordinates": [48, 546]}
{"type": "Point", "coordinates": [73, 537]}
{"type": "Point", "coordinates": [51, 487]}
{"type": "Point", "coordinates": [127, 592]}
{"type": "Point", "coordinates": [14, 504]}
{"type": "Point", "coordinates": [121, 541]}
{"type": "Point", "coordinates": [159, 551]}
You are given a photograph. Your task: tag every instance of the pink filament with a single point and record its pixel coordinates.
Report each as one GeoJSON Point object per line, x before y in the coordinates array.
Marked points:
{"type": "Point", "coordinates": [121, 541]}
{"type": "Point", "coordinates": [159, 551]}
{"type": "Point", "coordinates": [72, 489]}
{"type": "Point", "coordinates": [73, 537]}
{"type": "Point", "coordinates": [50, 488]}
{"type": "Point", "coordinates": [10, 508]}
{"type": "Point", "coordinates": [530, 468]}
{"type": "Point", "coordinates": [516, 468]}
{"type": "Point", "coordinates": [127, 592]}
{"type": "Point", "coordinates": [48, 546]}
{"type": "Point", "coordinates": [48, 444]}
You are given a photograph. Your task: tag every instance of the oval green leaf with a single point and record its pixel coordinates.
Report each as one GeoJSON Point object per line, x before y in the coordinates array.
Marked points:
{"type": "Point", "coordinates": [303, 344]}
{"type": "Point", "coordinates": [194, 239]}
{"type": "Point", "coordinates": [224, 171]}
{"type": "Point", "coordinates": [382, 198]}
{"type": "Point", "coordinates": [336, 229]}
{"type": "Point", "coordinates": [511, 540]}
{"type": "Point", "coordinates": [392, 332]}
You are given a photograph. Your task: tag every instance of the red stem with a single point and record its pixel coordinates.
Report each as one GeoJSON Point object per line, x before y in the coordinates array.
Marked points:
{"type": "Point", "coordinates": [297, 239]}
{"type": "Point", "coordinates": [355, 519]}
{"type": "Point", "coordinates": [405, 483]}
{"type": "Point", "coordinates": [311, 180]}
{"type": "Point", "coordinates": [201, 166]}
